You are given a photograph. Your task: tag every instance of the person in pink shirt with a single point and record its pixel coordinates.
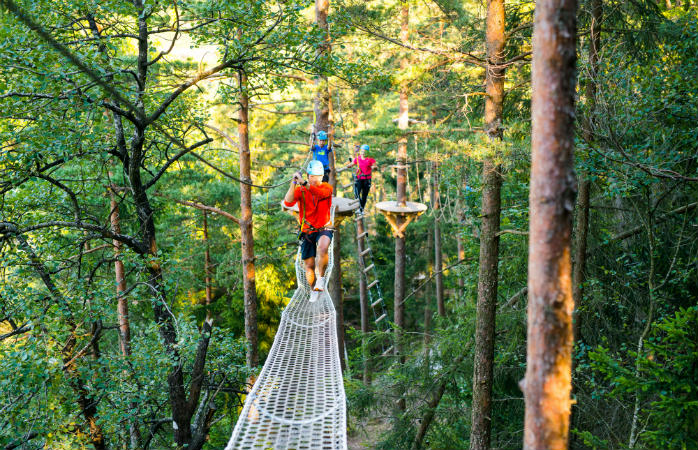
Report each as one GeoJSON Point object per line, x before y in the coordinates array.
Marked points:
{"type": "Point", "coordinates": [363, 175]}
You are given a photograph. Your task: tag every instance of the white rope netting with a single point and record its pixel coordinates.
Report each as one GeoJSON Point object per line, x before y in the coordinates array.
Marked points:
{"type": "Point", "coordinates": [298, 400]}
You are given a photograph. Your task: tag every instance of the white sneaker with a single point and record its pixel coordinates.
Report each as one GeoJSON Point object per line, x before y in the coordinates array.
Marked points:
{"type": "Point", "coordinates": [320, 284]}
{"type": "Point", "coordinates": [314, 296]}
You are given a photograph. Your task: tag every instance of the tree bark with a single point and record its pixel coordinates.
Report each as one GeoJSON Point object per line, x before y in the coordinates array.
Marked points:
{"type": "Point", "coordinates": [580, 251]}
{"type": "Point", "coordinates": [132, 155]}
{"type": "Point", "coordinates": [247, 239]}
{"type": "Point", "coordinates": [122, 307]}
{"type": "Point", "coordinates": [88, 404]}
{"type": "Point", "coordinates": [480, 431]}
{"type": "Point", "coordinates": [181, 414]}
{"type": "Point", "coordinates": [429, 416]}
{"type": "Point", "coordinates": [207, 268]}
{"type": "Point", "coordinates": [582, 219]}
{"type": "Point", "coordinates": [547, 385]}
{"type": "Point", "coordinates": [335, 290]}
{"type": "Point", "coordinates": [461, 252]}
{"type": "Point", "coordinates": [323, 107]}
{"type": "Point", "coordinates": [403, 124]}
{"type": "Point", "coordinates": [122, 303]}
{"type": "Point", "coordinates": [322, 100]}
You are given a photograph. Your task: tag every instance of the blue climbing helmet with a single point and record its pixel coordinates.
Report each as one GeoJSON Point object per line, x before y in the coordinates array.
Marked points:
{"type": "Point", "coordinates": [365, 147]}
{"type": "Point", "coordinates": [315, 168]}
{"type": "Point", "coordinates": [321, 135]}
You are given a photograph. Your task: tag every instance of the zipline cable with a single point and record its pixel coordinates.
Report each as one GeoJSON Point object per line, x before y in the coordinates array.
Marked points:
{"type": "Point", "coordinates": [232, 177]}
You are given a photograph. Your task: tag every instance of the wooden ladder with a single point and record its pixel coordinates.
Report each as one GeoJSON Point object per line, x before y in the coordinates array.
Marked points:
{"type": "Point", "coordinates": [368, 271]}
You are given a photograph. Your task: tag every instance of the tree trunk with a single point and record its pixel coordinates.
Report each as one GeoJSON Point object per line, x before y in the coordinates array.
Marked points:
{"type": "Point", "coordinates": [403, 123]}
{"type": "Point", "coordinates": [246, 236]}
{"type": "Point", "coordinates": [88, 404]}
{"type": "Point", "coordinates": [122, 303]}
{"type": "Point", "coordinates": [580, 250]}
{"type": "Point", "coordinates": [322, 99]}
{"type": "Point", "coordinates": [438, 262]}
{"type": "Point", "coordinates": [480, 431]}
{"type": "Point", "coordinates": [181, 413]}
{"type": "Point", "coordinates": [547, 385]}
{"type": "Point", "coordinates": [122, 307]}
{"type": "Point", "coordinates": [207, 268]}
{"type": "Point", "coordinates": [432, 404]}
{"type": "Point", "coordinates": [461, 256]}
{"type": "Point", "coordinates": [323, 107]}
{"type": "Point", "coordinates": [335, 290]}
{"type": "Point", "coordinates": [429, 416]}
{"type": "Point", "coordinates": [582, 219]}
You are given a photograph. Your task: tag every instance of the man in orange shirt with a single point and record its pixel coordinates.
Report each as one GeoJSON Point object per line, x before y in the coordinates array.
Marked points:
{"type": "Point", "coordinates": [314, 198]}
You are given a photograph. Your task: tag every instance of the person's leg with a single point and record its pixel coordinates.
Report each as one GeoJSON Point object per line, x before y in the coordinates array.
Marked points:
{"type": "Point", "coordinates": [308, 253]}
{"type": "Point", "coordinates": [310, 271]}
{"type": "Point", "coordinates": [368, 189]}
{"type": "Point", "coordinates": [326, 176]}
{"type": "Point", "coordinates": [365, 186]}
{"type": "Point", "coordinates": [323, 244]}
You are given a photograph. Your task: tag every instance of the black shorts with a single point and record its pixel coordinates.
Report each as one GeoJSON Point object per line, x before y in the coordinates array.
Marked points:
{"type": "Point", "coordinates": [309, 243]}
{"type": "Point", "coordinates": [326, 176]}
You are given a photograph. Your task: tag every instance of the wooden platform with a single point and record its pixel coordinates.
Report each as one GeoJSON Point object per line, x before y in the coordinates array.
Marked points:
{"type": "Point", "coordinates": [399, 216]}
{"type": "Point", "coordinates": [345, 207]}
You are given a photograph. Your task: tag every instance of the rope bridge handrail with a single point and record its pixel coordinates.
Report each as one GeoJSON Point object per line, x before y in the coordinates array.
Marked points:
{"type": "Point", "coordinates": [298, 400]}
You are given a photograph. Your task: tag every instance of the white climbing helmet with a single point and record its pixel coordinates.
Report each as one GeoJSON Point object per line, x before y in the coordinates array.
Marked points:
{"type": "Point", "coordinates": [316, 168]}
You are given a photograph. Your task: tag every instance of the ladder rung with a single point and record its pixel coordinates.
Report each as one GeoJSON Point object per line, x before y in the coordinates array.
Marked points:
{"type": "Point", "coordinates": [368, 249]}
{"type": "Point", "coordinates": [369, 268]}
{"type": "Point", "coordinates": [373, 283]}
{"type": "Point", "coordinates": [381, 318]}
{"type": "Point", "coordinates": [388, 351]}
{"type": "Point", "coordinates": [373, 305]}
{"type": "Point", "coordinates": [365, 233]}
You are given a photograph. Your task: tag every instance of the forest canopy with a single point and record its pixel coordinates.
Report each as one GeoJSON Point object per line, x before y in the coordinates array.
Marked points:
{"type": "Point", "coordinates": [145, 258]}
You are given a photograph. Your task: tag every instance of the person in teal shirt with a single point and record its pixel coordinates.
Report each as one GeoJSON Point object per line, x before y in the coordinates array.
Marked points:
{"type": "Point", "coordinates": [321, 153]}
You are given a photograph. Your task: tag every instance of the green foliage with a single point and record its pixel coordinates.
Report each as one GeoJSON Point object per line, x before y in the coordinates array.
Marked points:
{"type": "Point", "coordinates": [54, 127]}
{"type": "Point", "coordinates": [663, 378]}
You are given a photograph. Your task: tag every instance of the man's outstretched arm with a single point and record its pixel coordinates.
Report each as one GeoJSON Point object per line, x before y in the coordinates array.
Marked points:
{"type": "Point", "coordinates": [290, 197]}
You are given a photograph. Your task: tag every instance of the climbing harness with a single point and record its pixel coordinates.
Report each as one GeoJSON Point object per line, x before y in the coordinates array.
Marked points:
{"type": "Point", "coordinates": [298, 401]}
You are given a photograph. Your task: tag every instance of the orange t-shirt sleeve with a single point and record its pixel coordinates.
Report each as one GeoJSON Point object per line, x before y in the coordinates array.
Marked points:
{"type": "Point", "coordinates": [296, 197]}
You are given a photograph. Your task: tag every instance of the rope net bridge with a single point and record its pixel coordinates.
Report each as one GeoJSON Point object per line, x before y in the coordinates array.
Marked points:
{"type": "Point", "coordinates": [298, 400]}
